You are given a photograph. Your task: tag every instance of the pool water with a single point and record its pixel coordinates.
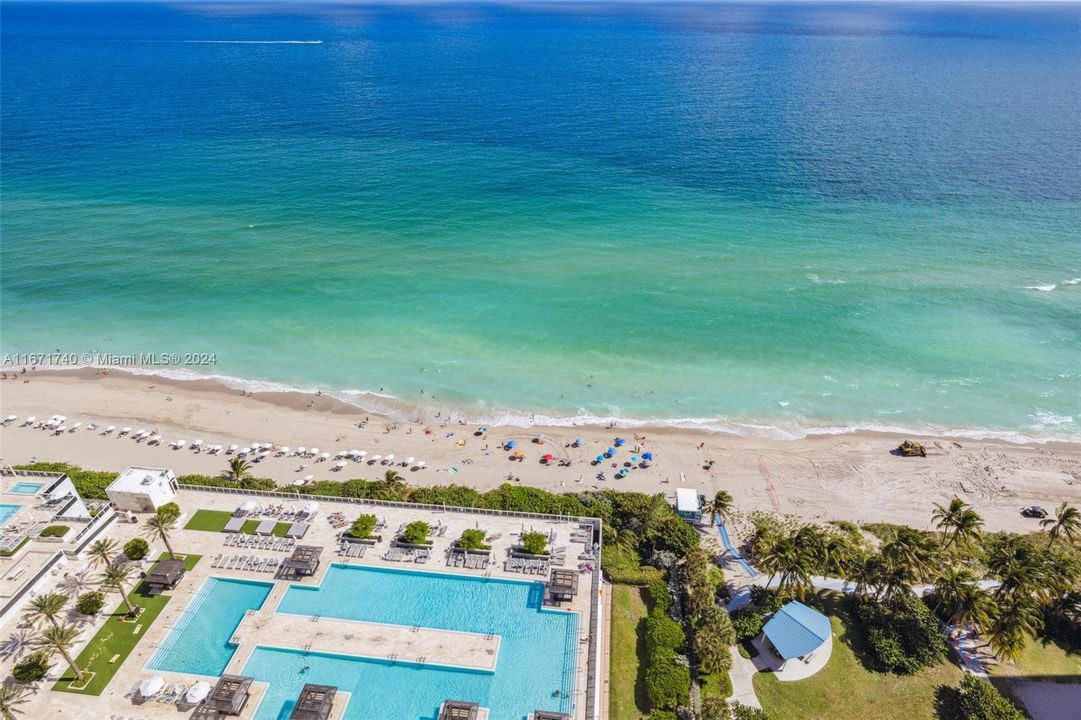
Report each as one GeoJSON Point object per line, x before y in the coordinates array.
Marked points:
{"type": "Point", "coordinates": [7, 511]}
{"type": "Point", "coordinates": [534, 671]}
{"type": "Point", "coordinates": [199, 641]}
{"type": "Point", "coordinates": [25, 488]}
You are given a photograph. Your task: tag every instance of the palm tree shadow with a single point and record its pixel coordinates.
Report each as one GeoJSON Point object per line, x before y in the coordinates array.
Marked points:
{"type": "Point", "coordinates": [18, 643]}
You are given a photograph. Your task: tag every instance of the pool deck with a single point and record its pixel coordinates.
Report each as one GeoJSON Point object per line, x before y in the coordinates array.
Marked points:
{"type": "Point", "coordinates": [420, 645]}
{"type": "Point", "coordinates": [295, 632]}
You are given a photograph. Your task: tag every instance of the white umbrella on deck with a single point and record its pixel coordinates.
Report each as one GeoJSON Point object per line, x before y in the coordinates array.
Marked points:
{"type": "Point", "coordinates": [197, 692]}
{"type": "Point", "coordinates": [150, 686]}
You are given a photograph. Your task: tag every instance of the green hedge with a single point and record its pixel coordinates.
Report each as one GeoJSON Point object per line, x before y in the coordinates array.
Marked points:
{"type": "Point", "coordinates": [903, 635]}
{"type": "Point", "coordinates": [980, 700]}
{"type": "Point", "coordinates": [668, 681]}
{"type": "Point", "coordinates": [55, 531]}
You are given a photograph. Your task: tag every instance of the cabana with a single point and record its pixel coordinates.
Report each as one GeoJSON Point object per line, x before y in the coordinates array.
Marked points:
{"type": "Point", "coordinates": [304, 562]}
{"type": "Point", "coordinates": [800, 637]}
{"type": "Point", "coordinates": [228, 697]}
{"type": "Point", "coordinates": [310, 509]}
{"type": "Point", "coordinates": [165, 575]}
{"type": "Point", "coordinates": [314, 703]}
{"type": "Point", "coordinates": [297, 530]}
{"type": "Point", "coordinates": [234, 525]}
{"type": "Point", "coordinates": [265, 527]}
{"type": "Point", "coordinates": [248, 506]}
{"type": "Point", "coordinates": [459, 710]}
{"type": "Point", "coordinates": [562, 586]}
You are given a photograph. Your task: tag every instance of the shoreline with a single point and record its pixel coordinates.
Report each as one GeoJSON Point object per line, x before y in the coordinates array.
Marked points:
{"type": "Point", "coordinates": [396, 409]}
{"type": "Point", "coordinates": [852, 476]}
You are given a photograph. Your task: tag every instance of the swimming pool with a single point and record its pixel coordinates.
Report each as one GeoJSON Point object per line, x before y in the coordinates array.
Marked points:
{"type": "Point", "coordinates": [534, 671]}
{"type": "Point", "coordinates": [199, 642]}
{"type": "Point", "coordinates": [25, 488]}
{"type": "Point", "coordinates": [7, 511]}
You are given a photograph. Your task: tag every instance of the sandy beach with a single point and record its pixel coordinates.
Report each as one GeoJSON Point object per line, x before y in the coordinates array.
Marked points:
{"type": "Point", "coordinates": [847, 477]}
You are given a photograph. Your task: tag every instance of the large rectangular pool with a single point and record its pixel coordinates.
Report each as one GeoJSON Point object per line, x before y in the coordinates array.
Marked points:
{"type": "Point", "coordinates": [535, 669]}
{"type": "Point", "coordinates": [199, 641]}
{"type": "Point", "coordinates": [7, 511]}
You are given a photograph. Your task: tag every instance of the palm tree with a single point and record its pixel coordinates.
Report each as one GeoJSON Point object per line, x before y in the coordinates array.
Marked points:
{"type": "Point", "coordinates": [958, 522]}
{"type": "Point", "coordinates": [116, 576]}
{"type": "Point", "coordinates": [61, 639]}
{"type": "Point", "coordinates": [967, 528]}
{"type": "Point", "coordinates": [1018, 566]}
{"type": "Point", "coordinates": [239, 469]}
{"type": "Point", "coordinates": [1013, 623]}
{"type": "Point", "coordinates": [103, 552]}
{"type": "Point", "coordinates": [1067, 522]}
{"type": "Point", "coordinates": [46, 606]}
{"type": "Point", "coordinates": [945, 516]}
{"type": "Point", "coordinates": [960, 599]}
{"type": "Point", "coordinates": [393, 482]}
{"type": "Point", "coordinates": [11, 696]}
{"type": "Point", "coordinates": [911, 551]}
{"type": "Point", "coordinates": [158, 528]}
{"type": "Point", "coordinates": [719, 505]}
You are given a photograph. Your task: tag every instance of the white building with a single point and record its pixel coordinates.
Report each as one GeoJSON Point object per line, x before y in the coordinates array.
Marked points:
{"type": "Point", "coordinates": [142, 489]}
{"type": "Point", "coordinates": [688, 504]}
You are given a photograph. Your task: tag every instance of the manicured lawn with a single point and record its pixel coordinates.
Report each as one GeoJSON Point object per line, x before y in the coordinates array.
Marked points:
{"type": "Point", "coordinates": [209, 520]}
{"type": "Point", "coordinates": [117, 637]}
{"type": "Point", "coordinates": [1042, 662]}
{"type": "Point", "coordinates": [625, 697]}
{"type": "Point", "coordinates": [846, 690]}
{"type": "Point", "coordinates": [216, 520]}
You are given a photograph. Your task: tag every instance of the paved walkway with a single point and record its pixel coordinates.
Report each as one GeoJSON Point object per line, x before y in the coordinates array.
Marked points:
{"type": "Point", "coordinates": [742, 674]}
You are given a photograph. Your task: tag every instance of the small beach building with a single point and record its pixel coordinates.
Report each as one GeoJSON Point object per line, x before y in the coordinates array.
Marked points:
{"type": "Point", "coordinates": [228, 697]}
{"type": "Point", "coordinates": [688, 504]}
{"type": "Point", "coordinates": [562, 586]}
{"type": "Point", "coordinates": [459, 710]}
{"type": "Point", "coordinates": [801, 639]}
{"type": "Point", "coordinates": [302, 563]}
{"type": "Point", "coordinates": [142, 489]}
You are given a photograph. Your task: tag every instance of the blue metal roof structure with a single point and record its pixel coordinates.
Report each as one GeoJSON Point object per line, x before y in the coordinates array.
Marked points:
{"type": "Point", "coordinates": [797, 630]}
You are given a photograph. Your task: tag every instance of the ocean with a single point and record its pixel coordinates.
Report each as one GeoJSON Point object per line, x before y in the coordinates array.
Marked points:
{"type": "Point", "coordinates": [764, 218]}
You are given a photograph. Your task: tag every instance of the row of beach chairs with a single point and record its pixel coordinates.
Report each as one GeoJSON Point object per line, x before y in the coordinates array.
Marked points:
{"type": "Point", "coordinates": [248, 563]}
{"type": "Point", "coordinates": [469, 561]}
{"type": "Point", "coordinates": [527, 566]}
{"type": "Point", "coordinates": [352, 550]}
{"type": "Point", "coordinates": [397, 554]}
{"type": "Point", "coordinates": [256, 542]}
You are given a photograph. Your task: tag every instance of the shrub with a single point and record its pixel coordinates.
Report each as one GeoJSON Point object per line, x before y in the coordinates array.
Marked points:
{"type": "Point", "coordinates": [903, 635]}
{"type": "Point", "coordinates": [219, 481]}
{"type": "Point", "coordinates": [169, 510]}
{"type": "Point", "coordinates": [712, 638]}
{"type": "Point", "coordinates": [31, 668]}
{"type": "Point", "coordinates": [662, 715]}
{"type": "Point", "coordinates": [981, 701]}
{"type": "Point", "coordinates": [416, 532]}
{"type": "Point", "coordinates": [660, 596]}
{"type": "Point", "coordinates": [714, 707]}
{"type": "Point", "coordinates": [90, 603]}
{"type": "Point", "coordinates": [622, 565]}
{"type": "Point", "coordinates": [534, 543]}
{"type": "Point", "coordinates": [473, 540]}
{"type": "Point", "coordinates": [767, 600]}
{"type": "Point", "coordinates": [363, 526]}
{"type": "Point", "coordinates": [746, 712]}
{"type": "Point", "coordinates": [663, 631]}
{"type": "Point", "coordinates": [54, 531]}
{"type": "Point", "coordinates": [747, 623]}
{"type": "Point", "coordinates": [668, 683]}
{"type": "Point", "coordinates": [136, 549]}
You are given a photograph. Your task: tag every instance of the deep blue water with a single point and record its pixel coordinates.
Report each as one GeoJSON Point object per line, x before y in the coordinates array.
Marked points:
{"type": "Point", "coordinates": [756, 217]}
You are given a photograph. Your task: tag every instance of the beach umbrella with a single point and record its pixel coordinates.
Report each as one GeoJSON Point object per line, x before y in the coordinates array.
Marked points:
{"type": "Point", "coordinates": [421, 464]}
{"type": "Point", "coordinates": [125, 431]}
{"type": "Point", "coordinates": [376, 458]}
{"type": "Point", "coordinates": [610, 452]}
{"type": "Point", "coordinates": [283, 450]}
{"type": "Point", "coordinates": [30, 421]}
{"type": "Point", "coordinates": [197, 692]}
{"type": "Point", "coordinates": [233, 448]}
{"type": "Point", "coordinates": [360, 453]}
{"type": "Point", "coordinates": [647, 456]}
{"type": "Point", "coordinates": [11, 418]}
{"type": "Point", "coordinates": [154, 440]}
{"type": "Point", "coordinates": [197, 444]}
{"type": "Point", "coordinates": [150, 686]}
{"type": "Point", "coordinates": [61, 429]}
{"type": "Point", "coordinates": [309, 478]}
{"type": "Point", "coordinates": [634, 459]}
{"type": "Point", "coordinates": [600, 458]}
{"type": "Point", "coordinates": [301, 450]}
{"type": "Point", "coordinates": [547, 456]}
{"type": "Point", "coordinates": [325, 456]}
{"type": "Point", "coordinates": [110, 429]}
{"type": "Point", "coordinates": [298, 482]}
{"type": "Point", "coordinates": [388, 458]}
{"type": "Point", "coordinates": [577, 442]}
{"type": "Point", "coordinates": [620, 442]}
{"type": "Point", "coordinates": [408, 460]}
{"type": "Point", "coordinates": [179, 443]}
{"type": "Point", "coordinates": [313, 451]}
{"type": "Point", "coordinates": [511, 444]}
{"type": "Point", "coordinates": [340, 464]}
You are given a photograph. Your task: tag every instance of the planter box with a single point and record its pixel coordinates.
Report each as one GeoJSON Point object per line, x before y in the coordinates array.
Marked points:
{"type": "Point", "coordinates": [363, 541]}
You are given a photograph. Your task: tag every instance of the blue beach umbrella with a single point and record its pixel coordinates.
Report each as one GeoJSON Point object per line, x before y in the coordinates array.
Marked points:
{"type": "Point", "coordinates": [600, 458]}
{"type": "Point", "coordinates": [511, 444]}
{"type": "Point", "coordinates": [620, 442]}
{"type": "Point", "coordinates": [610, 452]}
{"type": "Point", "coordinates": [647, 456]}
{"type": "Point", "coordinates": [634, 459]}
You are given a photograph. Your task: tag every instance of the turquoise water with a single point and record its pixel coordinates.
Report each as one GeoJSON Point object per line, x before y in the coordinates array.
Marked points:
{"type": "Point", "coordinates": [25, 488]}
{"type": "Point", "coordinates": [764, 218]}
{"type": "Point", "coordinates": [199, 641]}
{"type": "Point", "coordinates": [537, 653]}
{"type": "Point", "coordinates": [8, 511]}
